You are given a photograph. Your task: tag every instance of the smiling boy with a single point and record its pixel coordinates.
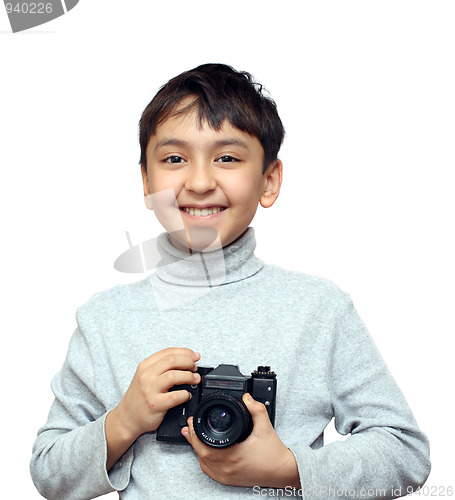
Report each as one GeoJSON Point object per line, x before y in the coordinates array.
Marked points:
{"type": "Point", "coordinates": [210, 137]}
{"type": "Point", "coordinates": [217, 176]}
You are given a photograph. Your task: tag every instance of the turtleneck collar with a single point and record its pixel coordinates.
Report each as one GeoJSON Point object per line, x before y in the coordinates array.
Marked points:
{"type": "Point", "coordinates": [234, 262]}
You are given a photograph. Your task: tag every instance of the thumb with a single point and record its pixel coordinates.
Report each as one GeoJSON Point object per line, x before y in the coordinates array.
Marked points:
{"type": "Point", "coordinates": [258, 413]}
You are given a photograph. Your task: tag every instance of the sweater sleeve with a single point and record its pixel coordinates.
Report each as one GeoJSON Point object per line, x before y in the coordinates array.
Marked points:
{"type": "Point", "coordinates": [70, 452]}
{"type": "Point", "coordinates": [386, 455]}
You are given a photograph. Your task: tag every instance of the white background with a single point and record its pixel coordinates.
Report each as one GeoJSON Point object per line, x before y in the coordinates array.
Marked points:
{"type": "Point", "coordinates": [366, 92]}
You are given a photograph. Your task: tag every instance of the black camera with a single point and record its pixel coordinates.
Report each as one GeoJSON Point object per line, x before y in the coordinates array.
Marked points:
{"type": "Point", "coordinates": [220, 418]}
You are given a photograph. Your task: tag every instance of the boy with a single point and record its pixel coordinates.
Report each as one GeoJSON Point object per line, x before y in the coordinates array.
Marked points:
{"type": "Point", "coordinates": [209, 154]}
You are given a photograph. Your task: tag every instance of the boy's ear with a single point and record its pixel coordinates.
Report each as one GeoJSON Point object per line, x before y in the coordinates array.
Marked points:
{"type": "Point", "coordinates": [273, 177]}
{"type": "Point", "coordinates": [147, 194]}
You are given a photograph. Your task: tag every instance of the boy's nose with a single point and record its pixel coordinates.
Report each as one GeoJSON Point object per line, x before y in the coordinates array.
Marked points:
{"type": "Point", "coordinates": [200, 179]}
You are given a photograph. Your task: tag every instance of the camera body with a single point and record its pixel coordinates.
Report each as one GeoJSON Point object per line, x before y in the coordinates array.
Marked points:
{"type": "Point", "coordinates": [220, 418]}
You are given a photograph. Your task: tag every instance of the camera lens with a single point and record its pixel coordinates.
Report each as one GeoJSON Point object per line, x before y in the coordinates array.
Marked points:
{"type": "Point", "coordinates": [221, 420]}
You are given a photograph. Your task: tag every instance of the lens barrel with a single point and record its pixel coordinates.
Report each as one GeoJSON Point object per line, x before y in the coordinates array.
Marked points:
{"type": "Point", "coordinates": [221, 420]}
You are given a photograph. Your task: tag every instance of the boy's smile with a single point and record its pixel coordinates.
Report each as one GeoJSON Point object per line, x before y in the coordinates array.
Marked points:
{"type": "Point", "coordinates": [216, 176]}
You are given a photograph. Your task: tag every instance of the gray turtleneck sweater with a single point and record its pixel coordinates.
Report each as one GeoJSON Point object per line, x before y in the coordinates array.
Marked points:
{"type": "Point", "coordinates": [232, 308]}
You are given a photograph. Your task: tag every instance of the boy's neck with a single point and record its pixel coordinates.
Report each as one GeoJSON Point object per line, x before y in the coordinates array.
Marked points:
{"type": "Point", "coordinates": [231, 263]}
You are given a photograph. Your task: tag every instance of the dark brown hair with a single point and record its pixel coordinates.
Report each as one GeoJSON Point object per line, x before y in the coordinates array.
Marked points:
{"type": "Point", "coordinates": [219, 93]}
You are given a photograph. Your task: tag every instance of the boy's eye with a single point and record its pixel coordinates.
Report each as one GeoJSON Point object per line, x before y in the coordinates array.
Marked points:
{"type": "Point", "coordinates": [226, 159]}
{"type": "Point", "coordinates": [174, 159]}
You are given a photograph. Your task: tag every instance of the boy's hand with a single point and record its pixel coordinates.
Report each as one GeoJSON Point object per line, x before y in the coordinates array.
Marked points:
{"type": "Point", "coordinates": [147, 399]}
{"type": "Point", "coordinates": [261, 460]}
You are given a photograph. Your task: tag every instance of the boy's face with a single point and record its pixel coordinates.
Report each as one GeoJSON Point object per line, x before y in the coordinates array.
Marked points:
{"type": "Point", "coordinates": [216, 176]}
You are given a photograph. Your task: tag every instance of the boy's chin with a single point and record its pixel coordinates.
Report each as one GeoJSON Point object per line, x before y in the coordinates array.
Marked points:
{"type": "Point", "coordinates": [196, 239]}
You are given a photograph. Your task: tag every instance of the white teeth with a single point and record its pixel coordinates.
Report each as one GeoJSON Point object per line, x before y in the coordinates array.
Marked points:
{"type": "Point", "coordinates": [204, 212]}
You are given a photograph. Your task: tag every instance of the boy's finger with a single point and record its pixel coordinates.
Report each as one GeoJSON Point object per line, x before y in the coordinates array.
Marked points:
{"type": "Point", "coordinates": [176, 377]}
{"type": "Point", "coordinates": [174, 398]}
{"type": "Point", "coordinates": [258, 412]}
{"type": "Point", "coordinates": [175, 360]}
{"type": "Point", "coordinates": [199, 447]}
{"type": "Point", "coordinates": [169, 352]}
{"type": "Point", "coordinates": [188, 432]}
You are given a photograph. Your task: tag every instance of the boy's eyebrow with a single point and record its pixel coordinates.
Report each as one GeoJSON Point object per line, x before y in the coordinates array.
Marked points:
{"type": "Point", "coordinates": [170, 142]}
{"type": "Point", "coordinates": [219, 143]}
{"type": "Point", "coordinates": [231, 142]}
